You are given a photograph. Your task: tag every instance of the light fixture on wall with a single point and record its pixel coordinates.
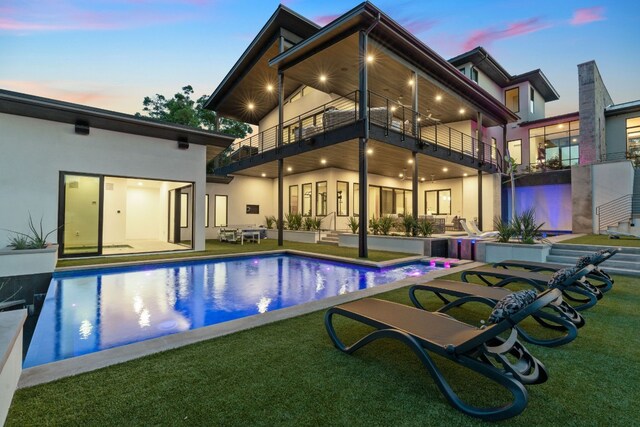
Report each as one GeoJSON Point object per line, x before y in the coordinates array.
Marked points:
{"type": "Point", "coordinates": [183, 143]}
{"type": "Point", "coordinates": [82, 127]}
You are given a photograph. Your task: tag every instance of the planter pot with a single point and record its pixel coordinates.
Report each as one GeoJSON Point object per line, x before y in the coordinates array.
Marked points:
{"type": "Point", "coordinates": [10, 357]}
{"type": "Point", "coordinates": [495, 252]}
{"type": "Point", "coordinates": [427, 246]}
{"type": "Point", "coordinates": [28, 261]}
{"type": "Point", "coordinates": [295, 236]}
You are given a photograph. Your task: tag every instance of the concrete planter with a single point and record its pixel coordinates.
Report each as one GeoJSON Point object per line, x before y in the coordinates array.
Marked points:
{"type": "Point", "coordinates": [427, 246]}
{"type": "Point", "coordinates": [495, 252]}
{"type": "Point", "coordinates": [295, 236]}
{"type": "Point", "coordinates": [28, 261]}
{"type": "Point", "coordinates": [10, 357]}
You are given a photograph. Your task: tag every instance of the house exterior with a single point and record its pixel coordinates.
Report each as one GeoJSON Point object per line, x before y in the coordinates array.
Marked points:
{"type": "Point", "coordinates": [108, 182]}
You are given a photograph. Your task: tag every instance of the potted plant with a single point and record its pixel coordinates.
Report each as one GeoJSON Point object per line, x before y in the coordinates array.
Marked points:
{"type": "Point", "coordinates": [354, 224]}
{"type": "Point", "coordinates": [30, 252]}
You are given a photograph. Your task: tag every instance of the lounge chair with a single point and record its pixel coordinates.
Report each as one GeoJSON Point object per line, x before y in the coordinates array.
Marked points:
{"type": "Point", "coordinates": [474, 228]}
{"type": "Point", "coordinates": [471, 233]}
{"type": "Point", "coordinates": [564, 318]}
{"type": "Point", "coordinates": [604, 281]}
{"type": "Point", "coordinates": [504, 361]}
{"type": "Point", "coordinates": [588, 295]}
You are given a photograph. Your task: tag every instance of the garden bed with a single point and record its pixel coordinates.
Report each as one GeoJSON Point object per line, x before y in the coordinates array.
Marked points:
{"type": "Point", "coordinates": [427, 246]}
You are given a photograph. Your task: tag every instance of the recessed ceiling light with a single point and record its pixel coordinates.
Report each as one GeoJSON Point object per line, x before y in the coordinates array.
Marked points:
{"type": "Point", "coordinates": [140, 183]}
{"type": "Point", "coordinates": [323, 78]}
{"type": "Point", "coordinates": [369, 150]}
{"type": "Point", "coordinates": [251, 106]}
{"type": "Point", "coordinates": [438, 98]}
{"type": "Point", "coordinates": [419, 119]}
{"type": "Point", "coordinates": [264, 174]}
{"type": "Point", "coordinates": [445, 169]}
{"type": "Point", "coordinates": [422, 179]}
{"type": "Point", "coordinates": [400, 175]}
{"type": "Point", "coordinates": [289, 169]}
{"type": "Point", "coordinates": [370, 58]}
{"type": "Point", "coordinates": [411, 81]}
{"type": "Point", "coordinates": [394, 108]}
{"type": "Point", "coordinates": [462, 110]}
{"type": "Point", "coordinates": [323, 161]}
{"type": "Point", "coordinates": [269, 88]}
{"type": "Point", "coordinates": [561, 125]}
{"type": "Point", "coordinates": [574, 140]}
{"type": "Point", "coordinates": [410, 161]}
{"type": "Point", "coordinates": [465, 174]}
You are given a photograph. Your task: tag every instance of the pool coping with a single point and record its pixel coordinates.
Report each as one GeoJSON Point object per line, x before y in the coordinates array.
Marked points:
{"type": "Point", "coordinates": [77, 365]}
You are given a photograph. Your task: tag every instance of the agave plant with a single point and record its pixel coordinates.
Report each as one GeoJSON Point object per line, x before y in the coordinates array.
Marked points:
{"type": "Point", "coordinates": [316, 223]}
{"type": "Point", "coordinates": [35, 239]}
{"type": "Point", "coordinates": [425, 227]}
{"type": "Point", "coordinates": [525, 227]}
{"type": "Point", "coordinates": [410, 225]}
{"type": "Point", "coordinates": [354, 224]}
{"type": "Point", "coordinates": [270, 221]}
{"type": "Point", "coordinates": [386, 223]}
{"type": "Point", "coordinates": [374, 225]}
{"type": "Point", "coordinates": [504, 228]}
{"type": "Point", "coordinates": [308, 223]}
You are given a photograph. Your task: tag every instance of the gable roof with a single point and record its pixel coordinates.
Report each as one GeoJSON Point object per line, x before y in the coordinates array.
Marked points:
{"type": "Point", "coordinates": [481, 59]}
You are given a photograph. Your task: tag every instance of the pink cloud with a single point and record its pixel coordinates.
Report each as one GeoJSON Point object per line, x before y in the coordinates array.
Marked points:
{"type": "Point", "coordinates": [587, 15]}
{"type": "Point", "coordinates": [418, 26]}
{"type": "Point", "coordinates": [55, 90]}
{"type": "Point", "coordinates": [325, 19]}
{"type": "Point", "coordinates": [487, 36]}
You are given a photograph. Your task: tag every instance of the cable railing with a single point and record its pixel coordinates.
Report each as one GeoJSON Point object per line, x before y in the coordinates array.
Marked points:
{"type": "Point", "coordinates": [616, 211]}
{"type": "Point", "coordinates": [392, 116]}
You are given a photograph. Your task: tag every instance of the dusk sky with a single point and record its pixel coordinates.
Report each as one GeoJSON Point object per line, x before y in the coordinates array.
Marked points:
{"type": "Point", "coordinates": [111, 54]}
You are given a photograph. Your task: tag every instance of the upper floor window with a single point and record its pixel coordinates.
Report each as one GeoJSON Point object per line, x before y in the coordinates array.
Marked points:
{"type": "Point", "coordinates": [531, 100]}
{"type": "Point", "coordinates": [633, 136]}
{"type": "Point", "coordinates": [461, 70]}
{"type": "Point", "coordinates": [515, 150]}
{"type": "Point", "coordinates": [512, 99]}
{"type": "Point", "coordinates": [555, 146]}
{"type": "Point", "coordinates": [474, 75]}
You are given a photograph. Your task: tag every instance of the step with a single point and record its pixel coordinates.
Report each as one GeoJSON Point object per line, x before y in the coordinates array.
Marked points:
{"type": "Point", "coordinates": [329, 238]}
{"type": "Point", "coordinates": [612, 263]}
{"type": "Point", "coordinates": [593, 248]}
{"type": "Point", "coordinates": [620, 256]}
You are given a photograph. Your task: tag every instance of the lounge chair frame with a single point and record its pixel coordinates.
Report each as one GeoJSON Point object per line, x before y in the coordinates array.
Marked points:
{"type": "Point", "coordinates": [587, 294]}
{"type": "Point", "coordinates": [485, 352]}
{"type": "Point", "coordinates": [565, 319]}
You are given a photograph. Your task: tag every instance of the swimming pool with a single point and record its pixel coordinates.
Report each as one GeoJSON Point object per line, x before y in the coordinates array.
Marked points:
{"type": "Point", "coordinates": [88, 311]}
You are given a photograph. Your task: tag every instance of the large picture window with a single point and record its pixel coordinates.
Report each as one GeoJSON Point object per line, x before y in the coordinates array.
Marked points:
{"type": "Point", "coordinates": [633, 136]}
{"type": "Point", "coordinates": [512, 99]}
{"type": "Point", "coordinates": [389, 201]}
{"type": "Point", "coordinates": [342, 198]}
{"type": "Point", "coordinates": [356, 199]}
{"type": "Point", "coordinates": [293, 199]}
{"type": "Point", "coordinates": [438, 202]}
{"type": "Point", "coordinates": [321, 198]}
{"type": "Point", "coordinates": [220, 216]}
{"type": "Point", "coordinates": [184, 210]}
{"type": "Point", "coordinates": [515, 150]}
{"type": "Point", "coordinates": [555, 146]}
{"type": "Point", "coordinates": [306, 199]}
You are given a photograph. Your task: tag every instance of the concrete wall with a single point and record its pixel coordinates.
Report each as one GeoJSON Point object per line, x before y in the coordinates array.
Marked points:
{"type": "Point", "coordinates": [10, 357]}
{"type": "Point", "coordinates": [35, 151]}
{"type": "Point", "coordinates": [616, 132]}
{"type": "Point", "coordinates": [610, 181]}
{"type": "Point", "coordinates": [593, 98]}
{"type": "Point", "coordinates": [551, 204]}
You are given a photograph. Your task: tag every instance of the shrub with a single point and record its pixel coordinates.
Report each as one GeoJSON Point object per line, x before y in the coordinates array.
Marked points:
{"type": "Point", "coordinates": [425, 228]}
{"type": "Point", "coordinates": [316, 223]}
{"type": "Point", "coordinates": [410, 225]}
{"type": "Point", "coordinates": [374, 225]}
{"type": "Point", "coordinates": [386, 223]}
{"type": "Point", "coordinates": [354, 224]}
{"type": "Point", "coordinates": [35, 239]}
{"type": "Point", "coordinates": [505, 230]}
{"type": "Point", "coordinates": [525, 227]}
{"type": "Point", "coordinates": [307, 224]}
{"type": "Point", "coordinates": [294, 221]}
{"type": "Point", "coordinates": [270, 221]}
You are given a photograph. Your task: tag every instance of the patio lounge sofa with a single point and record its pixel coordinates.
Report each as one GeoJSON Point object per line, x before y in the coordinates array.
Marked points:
{"type": "Point", "coordinates": [506, 362]}
{"type": "Point", "coordinates": [587, 294]}
{"type": "Point", "coordinates": [558, 315]}
{"type": "Point", "coordinates": [604, 282]}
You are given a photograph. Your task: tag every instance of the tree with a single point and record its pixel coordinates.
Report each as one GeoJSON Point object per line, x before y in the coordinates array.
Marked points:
{"type": "Point", "coordinates": [183, 110]}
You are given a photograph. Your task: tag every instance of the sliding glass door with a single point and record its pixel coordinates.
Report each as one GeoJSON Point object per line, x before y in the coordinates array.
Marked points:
{"type": "Point", "coordinates": [81, 220]}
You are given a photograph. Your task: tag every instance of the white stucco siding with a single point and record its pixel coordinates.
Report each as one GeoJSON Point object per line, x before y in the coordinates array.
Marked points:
{"type": "Point", "coordinates": [34, 152]}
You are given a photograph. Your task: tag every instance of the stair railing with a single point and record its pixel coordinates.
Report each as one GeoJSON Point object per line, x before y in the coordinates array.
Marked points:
{"type": "Point", "coordinates": [333, 216]}
{"type": "Point", "coordinates": [615, 211]}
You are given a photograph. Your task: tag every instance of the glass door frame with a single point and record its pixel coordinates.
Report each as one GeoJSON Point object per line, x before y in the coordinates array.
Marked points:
{"type": "Point", "coordinates": [61, 213]}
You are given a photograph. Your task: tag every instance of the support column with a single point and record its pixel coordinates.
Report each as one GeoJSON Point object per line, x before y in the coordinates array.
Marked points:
{"type": "Point", "coordinates": [481, 147]}
{"type": "Point", "coordinates": [414, 186]}
{"type": "Point", "coordinates": [480, 200]}
{"type": "Point", "coordinates": [414, 106]}
{"type": "Point", "coordinates": [363, 101]}
{"type": "Point", "coordinates": [280, 160]}
{"type": "Point", "coordinates": [505, 148]}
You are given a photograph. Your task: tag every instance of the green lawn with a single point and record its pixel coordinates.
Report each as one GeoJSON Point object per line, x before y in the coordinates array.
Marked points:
{"type": "Point", "coordinates": [215, 247]}
{"type": "Point", "coordinates": [604, 240]}
{"type": "Point", "coordinates": [288, 373]}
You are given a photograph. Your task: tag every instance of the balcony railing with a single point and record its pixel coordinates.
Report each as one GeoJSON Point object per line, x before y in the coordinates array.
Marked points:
{"type": "Point", "coordinates": [390, 115]}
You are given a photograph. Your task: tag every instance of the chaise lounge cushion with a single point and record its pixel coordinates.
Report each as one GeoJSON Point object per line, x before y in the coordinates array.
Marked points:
{"type": "Point", "coordinates": [511, 304]}
{"type": "Point", "coordinates": [561, 276]}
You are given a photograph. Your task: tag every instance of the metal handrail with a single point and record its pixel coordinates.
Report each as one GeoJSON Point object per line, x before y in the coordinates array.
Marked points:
{"type": "Point", "coordinates": [617, 210]}
{"type": "Point", "coordinates": [322, 219]}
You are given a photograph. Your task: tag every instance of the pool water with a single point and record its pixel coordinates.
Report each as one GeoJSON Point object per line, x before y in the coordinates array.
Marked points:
{"type": "Point", "coordinates": [89, 311]}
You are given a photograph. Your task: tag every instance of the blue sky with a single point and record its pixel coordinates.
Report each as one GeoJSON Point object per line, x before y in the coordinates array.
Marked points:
{"type": "Point", "coordinates": [110, 54]}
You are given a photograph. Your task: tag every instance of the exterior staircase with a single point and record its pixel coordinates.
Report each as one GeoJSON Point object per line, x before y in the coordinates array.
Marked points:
{"type": "Point", "coordinates": [622, 215]}
{"type": "Point", "coordinates": [330, 238]}
{"type": "Point", "coordinates": [625, 262]}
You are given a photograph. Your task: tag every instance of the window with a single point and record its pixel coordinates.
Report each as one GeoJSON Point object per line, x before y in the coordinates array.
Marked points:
{"type": "Point", "coordinates": [389, 201]}
{"type": "Point", "coordinates": [306, 199]}
{"type": "Point", "coordinates": [206, 210]}
{"type": "Point", "coordinates": [515, 150]}
{"type": "Point", "coordinates": [220, 212]}
{"type": "Point", "coordinates": [633, 136]}
{"type": "Point", "coordinates": [494, 148]}
{"type": "Point", "coordinates": [461, 70]}
{"type": "Point", "coordinates": [556, 146]}
{"type": "Point", "coordinates": [512, 99]}
{"type": "Point", "coordinates": [474, 74]}
{"type": "Point", "coordinates": [438, 202]}
{"type": "Point", "coordinates": [356, 199]}
{"type": "Point", "coordinates": [342, 198]}
{"type": "Point", "coordinates": [531, 100]}
{"type": "Point", "coordinates": [293, 199]}
{"type": "Point", "coordinates": [184, 210]}
{"type": "Point", "coordinates": [321, 198]}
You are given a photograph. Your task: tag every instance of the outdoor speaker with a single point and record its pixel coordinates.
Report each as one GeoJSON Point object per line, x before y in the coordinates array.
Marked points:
{"type": "Point", "coordinates": [82, 127]}
{"type": "Point", "coordinates": [183, 144]}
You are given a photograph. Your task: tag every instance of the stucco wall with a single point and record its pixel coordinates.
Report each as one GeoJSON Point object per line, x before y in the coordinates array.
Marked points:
{"type": "Point", "coordinates": [311, 99]}
{"type": "Point", "coordinates": [610, 181]}
{"type": "Point", "coordinates": [616, 132]}
{"type": "Point", "coordinates": [35, 151]}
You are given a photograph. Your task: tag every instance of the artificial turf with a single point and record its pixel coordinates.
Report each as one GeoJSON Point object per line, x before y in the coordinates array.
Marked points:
{"type": "Point", "coordinates": [288, 373]}
{"type": "Point", "coordinates": [604, 240]}
{"type": "Point", "coordinates": [215, 247]}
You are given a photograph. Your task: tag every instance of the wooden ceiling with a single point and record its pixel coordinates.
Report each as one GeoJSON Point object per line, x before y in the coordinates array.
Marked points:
{"type": "Point", "coordinates": [385, 160]}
